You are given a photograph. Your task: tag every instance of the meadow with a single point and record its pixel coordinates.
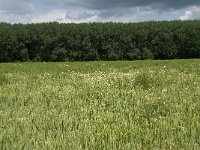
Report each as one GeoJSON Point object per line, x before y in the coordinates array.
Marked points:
{"type": "Point", "coordinates": [125, 105]}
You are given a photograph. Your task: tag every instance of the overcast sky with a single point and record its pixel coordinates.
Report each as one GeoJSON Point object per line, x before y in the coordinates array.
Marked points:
{"type": "Point", "coordinates": [34, 11]}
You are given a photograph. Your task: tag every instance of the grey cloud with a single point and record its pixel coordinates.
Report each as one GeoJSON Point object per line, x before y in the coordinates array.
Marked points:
{"type": "Point", "coordinates": [107, 13]}
{"type": "Point", "coordinates": [107, 4]}
{"type": "Point", "coordinates": [16, 6]}
{"type": "Point", "coordinates": [77, 15]}
{"type": "Point", "coordinates": [94, 10]}
{"type": "Point", "coordinates": [193, 13]}
{"type": "Point", "coordinates": [109, 9]}
{"type": "Point", "coordinates": [99, 14]}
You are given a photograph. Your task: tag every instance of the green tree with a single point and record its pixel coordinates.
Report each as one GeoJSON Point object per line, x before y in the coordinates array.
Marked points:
{"type": "Point", "coordinates": [59, 54]}
{"type": "Point", "coordinates": [24, 55]}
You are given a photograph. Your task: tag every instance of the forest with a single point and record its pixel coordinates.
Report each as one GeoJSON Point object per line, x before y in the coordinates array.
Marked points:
{"type": "Point", "coordinates": [99, 41]}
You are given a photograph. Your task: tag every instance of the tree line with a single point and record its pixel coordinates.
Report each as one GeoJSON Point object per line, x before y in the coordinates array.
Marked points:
{"type": "Point", "coordinates": [99, 41]}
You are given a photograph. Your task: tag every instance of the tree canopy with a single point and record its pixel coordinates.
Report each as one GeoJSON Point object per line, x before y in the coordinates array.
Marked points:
{"type": "Point", "coordinates": [99, 41]}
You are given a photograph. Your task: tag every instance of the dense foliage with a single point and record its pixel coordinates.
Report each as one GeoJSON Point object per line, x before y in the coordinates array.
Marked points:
{"type": "Point", "coordinates": [99, 41]}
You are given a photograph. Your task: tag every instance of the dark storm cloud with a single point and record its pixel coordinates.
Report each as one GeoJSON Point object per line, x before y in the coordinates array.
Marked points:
{"type": "Point", "coordinates": [107, 4]}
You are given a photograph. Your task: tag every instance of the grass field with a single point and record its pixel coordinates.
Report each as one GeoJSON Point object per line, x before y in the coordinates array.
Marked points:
{"type": "Point", "coordinates": [100, 105]}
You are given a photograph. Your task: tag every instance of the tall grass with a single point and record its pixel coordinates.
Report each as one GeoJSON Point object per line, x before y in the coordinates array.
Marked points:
{"type": "Point", "coordinates": [100, 105]}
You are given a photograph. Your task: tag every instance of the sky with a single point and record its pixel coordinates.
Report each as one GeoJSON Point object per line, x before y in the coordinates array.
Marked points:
{"type": "Point", "coordinates": [78, 11]}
